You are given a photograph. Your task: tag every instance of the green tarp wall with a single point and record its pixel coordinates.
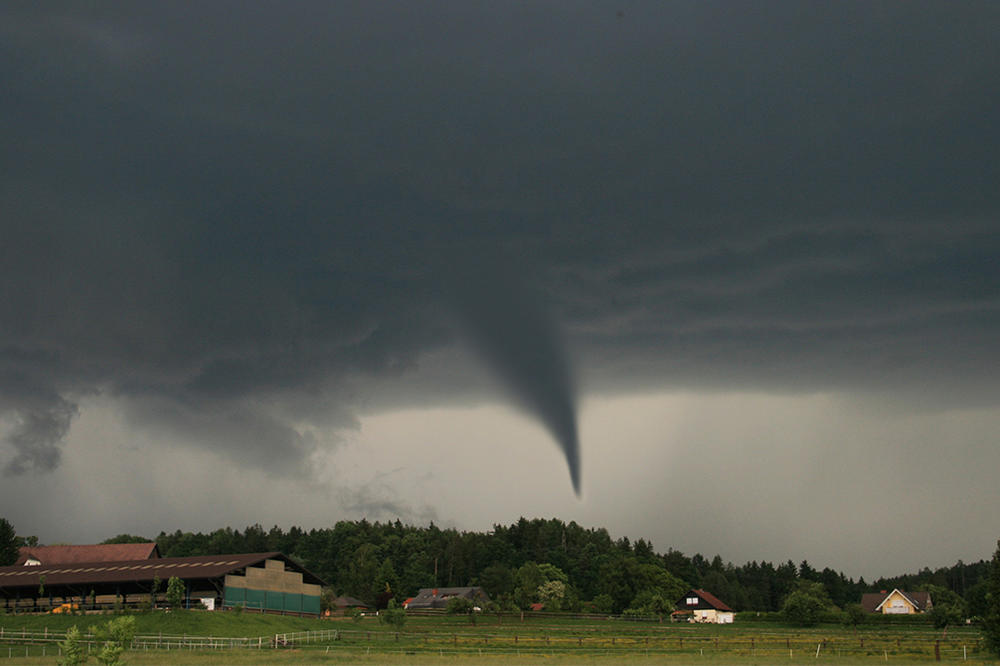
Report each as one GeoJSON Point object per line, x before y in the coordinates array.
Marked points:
{"type": "Point", "coordinates": [268, 600]}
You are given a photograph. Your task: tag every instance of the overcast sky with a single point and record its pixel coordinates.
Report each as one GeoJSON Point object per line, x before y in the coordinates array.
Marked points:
{"type": "Point", "coordinates": [729, 269]}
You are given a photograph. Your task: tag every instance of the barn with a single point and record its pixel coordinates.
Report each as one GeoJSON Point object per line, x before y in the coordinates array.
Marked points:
{"type": "Point", "coordinates": [268, 582]}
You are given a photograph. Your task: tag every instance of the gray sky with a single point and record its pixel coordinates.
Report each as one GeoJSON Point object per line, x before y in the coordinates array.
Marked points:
{"type": "Point", "coordinates": [734, 266]}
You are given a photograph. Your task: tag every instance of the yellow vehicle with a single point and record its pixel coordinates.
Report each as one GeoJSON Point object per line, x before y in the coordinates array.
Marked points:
{"type": "Point", "coordinates": [66, 608]}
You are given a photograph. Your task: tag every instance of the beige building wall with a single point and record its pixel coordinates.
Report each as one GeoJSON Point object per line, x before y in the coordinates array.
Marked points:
{"type": "Point", "coordinates": [273, 577]}
{"type": "Point", "coordinates": [897, 604]}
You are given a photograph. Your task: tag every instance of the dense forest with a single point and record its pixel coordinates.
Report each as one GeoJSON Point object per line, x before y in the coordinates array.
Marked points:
{"type": "Point", "coordinates": [582, 568]}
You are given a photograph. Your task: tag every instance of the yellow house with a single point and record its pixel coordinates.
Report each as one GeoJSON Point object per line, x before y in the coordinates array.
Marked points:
{"type": "Point", "coordinates": [896, 602]}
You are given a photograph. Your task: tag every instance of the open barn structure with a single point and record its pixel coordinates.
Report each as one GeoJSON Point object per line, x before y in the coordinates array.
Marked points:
{"type": "Point", "coordinates": [268, 582]}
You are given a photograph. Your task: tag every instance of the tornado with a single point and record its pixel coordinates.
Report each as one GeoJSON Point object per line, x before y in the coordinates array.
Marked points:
{"type": "Point", "coordinates": [511, 327]}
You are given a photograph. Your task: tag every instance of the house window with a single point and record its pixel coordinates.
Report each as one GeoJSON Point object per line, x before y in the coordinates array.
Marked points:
{"type": "Point", "coordinates": [692, 601]}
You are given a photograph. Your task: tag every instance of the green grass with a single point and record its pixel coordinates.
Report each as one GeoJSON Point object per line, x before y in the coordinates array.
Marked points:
{"type": "Point", "coordinates": [553, 639]}
{"type": "Point", "coordinates": [173, 623]}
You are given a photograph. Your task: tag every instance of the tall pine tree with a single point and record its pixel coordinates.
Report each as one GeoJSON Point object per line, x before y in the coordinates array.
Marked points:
{"type": "Point", "coordinates": [991, 623]}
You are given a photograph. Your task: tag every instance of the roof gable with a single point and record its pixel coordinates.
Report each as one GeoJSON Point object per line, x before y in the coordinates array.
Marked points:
{"type": "Point", "coordinates": [872, 602]}
{"type": "Point", "coordinates": [705, 600]}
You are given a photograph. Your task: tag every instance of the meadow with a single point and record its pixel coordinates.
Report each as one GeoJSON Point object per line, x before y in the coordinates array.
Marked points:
{"type": "Point", "coordinates": [228, 638]}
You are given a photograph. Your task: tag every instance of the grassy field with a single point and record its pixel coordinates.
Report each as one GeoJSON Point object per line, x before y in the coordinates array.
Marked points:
{"type": "Point", "coordinates": [169, 638]}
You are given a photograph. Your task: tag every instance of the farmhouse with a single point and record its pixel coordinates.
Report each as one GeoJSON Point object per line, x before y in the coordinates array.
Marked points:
{"type": "Point", "coordinates": [268, 582]}
{"type": "Point", "coordinates": [702, 606]}
{"type": "Point", "coordinates": [896, 602]}
{"type": "Point", "coordinates": [438, 597]}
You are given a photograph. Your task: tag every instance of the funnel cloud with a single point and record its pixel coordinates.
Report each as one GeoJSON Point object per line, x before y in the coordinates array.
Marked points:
{"type": "Point", "coordinates": [512, 329]}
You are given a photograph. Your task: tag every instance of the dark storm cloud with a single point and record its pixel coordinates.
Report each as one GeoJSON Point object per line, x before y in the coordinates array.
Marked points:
{"type": "Point", "coordinates": [227, 211]}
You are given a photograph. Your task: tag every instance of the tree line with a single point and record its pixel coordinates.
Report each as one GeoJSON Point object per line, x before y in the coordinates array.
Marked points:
{"type": "Point", "coordinates": [585, 568]}
{"type": "Point", "coordinates": [562, 565]}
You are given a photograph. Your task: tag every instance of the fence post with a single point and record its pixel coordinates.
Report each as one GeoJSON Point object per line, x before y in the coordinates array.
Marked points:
{"type": "Point", "coordinates": [937, 650]}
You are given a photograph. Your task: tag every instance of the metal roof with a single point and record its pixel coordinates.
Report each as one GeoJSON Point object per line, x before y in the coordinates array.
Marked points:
{"type": "Point", "coordinates": [88, 573]}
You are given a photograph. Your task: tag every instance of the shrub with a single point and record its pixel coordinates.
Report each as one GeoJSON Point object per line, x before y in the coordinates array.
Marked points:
{"type": "Point", "coordinates": [175, 592]}
{"type": "Point", "coordinates": [117, 634]}
{"type": "Point", "coordinates": [803, 609]}
{"type": "Point", "coordinates": [394, 616]}
{"type": "Point", "coordinates": [460, 606]}
{"type": "Point", "coordinates": [73, 653]}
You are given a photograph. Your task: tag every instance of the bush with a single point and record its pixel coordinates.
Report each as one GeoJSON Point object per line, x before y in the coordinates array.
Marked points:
{"type": "Point", "coordinates": [73, 653]}
{"type": "Point", "coordinates": [117, 635]}
{"type": "Point", "coordinates": [803, 609]}
{"type": "Point", "coordinates": [394, 616]}
{"type": "Point", "coordinates": [460, 606]}
{"type": "Point", "coordinates": [854, 615]}
{"type": "Point", "coordinates": [175, 592]}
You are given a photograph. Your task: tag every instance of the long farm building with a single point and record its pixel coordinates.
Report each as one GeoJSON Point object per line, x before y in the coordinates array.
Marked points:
{"type": "Point", "coordinates": [268, 582]}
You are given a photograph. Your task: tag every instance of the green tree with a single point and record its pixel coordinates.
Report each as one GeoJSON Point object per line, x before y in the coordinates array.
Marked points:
{"type": "Point", "coordinates": [804, 606]}
{"type": "Point", "coordinates": [175, 592]}
{"type": "Point", "coordinates": [126, 538]}
{"type": "Point", "coordinates": [603, 603]}
{"type": "Point", "coordinates": [326, 600]}
{"type": "Point", "coordinates": [991, 620]}
{"type": "Point", "coordinates": [461, 606]}
{"type": "Point", "coordinates": [649, 603]}
{"type": "Point", "coordinates": [8, 543]}
{"type": "Point", "coordinates": [73, 652]}
{"type": "Point", "coordinates": [117, 634]}
{"type": "Point", "coordinates": [394, 616]}
{"type": "Point", "coordinates": [387, 582]}
{"type": "Point", "coordinates": [854, 615]}
{"type": "Point", "coordinates": [552, 572]}
{"type": "Point", "coordinates": [527, 579]}
{"type": "Point", "coordinates": [552, 593]}
{"type": "Point", "coordinates": [498, 580]}
{"type": "Point", "coordinates": [947, 607]}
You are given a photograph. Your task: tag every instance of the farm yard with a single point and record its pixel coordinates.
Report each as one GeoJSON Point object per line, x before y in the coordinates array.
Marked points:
{"type": "Point", "coordinates": [220, 638]}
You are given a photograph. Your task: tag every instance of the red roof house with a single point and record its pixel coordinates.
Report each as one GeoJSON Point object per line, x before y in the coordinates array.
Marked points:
{"type": "Point", "coordinates": [704, 607]}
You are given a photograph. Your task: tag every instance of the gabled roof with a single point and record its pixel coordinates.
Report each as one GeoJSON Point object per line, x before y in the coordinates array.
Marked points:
{"type": "Point", "coordinates": [707, 598]}
{"type": "Point", "coordinates": [437, 597]}
{"type": "Point", "coordinates": [872, 602]}
{"type": "Point", "coordinates": [105, 552]}
{"type": "Point", "coordinates": [713, 601]}
{"type": "Point", "coordinates": [88, 573]}
{"type": "Point", "coordinates": [348, 602]}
